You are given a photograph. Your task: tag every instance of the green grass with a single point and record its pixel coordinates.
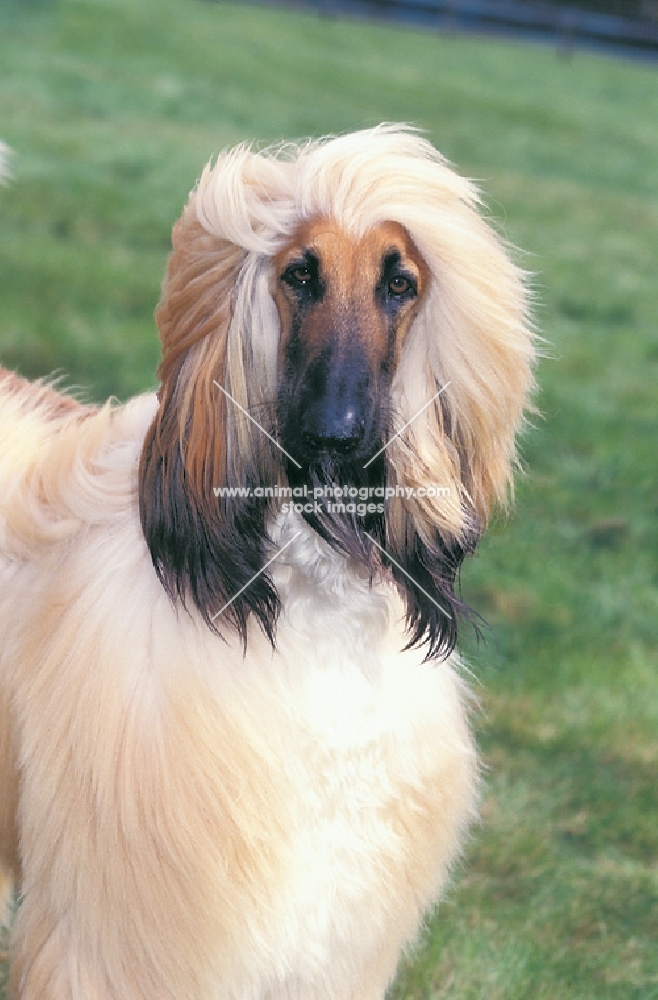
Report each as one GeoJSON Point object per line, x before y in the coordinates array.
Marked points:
{"type": "Point", "coordinates": [113, 106]}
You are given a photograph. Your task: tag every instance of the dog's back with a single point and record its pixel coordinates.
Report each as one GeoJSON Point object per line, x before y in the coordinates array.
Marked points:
{"type": "Point", "coordinates": [31, 416]}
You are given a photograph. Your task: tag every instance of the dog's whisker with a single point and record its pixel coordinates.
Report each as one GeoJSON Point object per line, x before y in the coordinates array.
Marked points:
{"type": "Point", "coordinates": [408, 423]}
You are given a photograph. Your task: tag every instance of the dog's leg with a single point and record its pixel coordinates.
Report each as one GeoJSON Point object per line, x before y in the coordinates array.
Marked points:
{"type": "Point", "coordinates": [8, 807]}
{"type": "Point", "coordinates": [47, 965]}
{"type": "Point", "coordinates": [38, 964]}
{"type": "Point", "coordinates": [379, 975]}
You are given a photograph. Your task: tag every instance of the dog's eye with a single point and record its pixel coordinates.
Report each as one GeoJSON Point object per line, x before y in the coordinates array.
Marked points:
{"type": "Point", "coordinates": [299, 275]}
{"type": "Point", "coordinates": [399, 285]}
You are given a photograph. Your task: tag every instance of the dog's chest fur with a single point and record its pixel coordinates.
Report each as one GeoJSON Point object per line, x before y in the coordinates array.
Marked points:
{"type": "Point", "coordinates": [268, 825]}
{"type": "Point", "coordinates": [370, 769]}
{"type": "Point", "coordinates": [368, 763]}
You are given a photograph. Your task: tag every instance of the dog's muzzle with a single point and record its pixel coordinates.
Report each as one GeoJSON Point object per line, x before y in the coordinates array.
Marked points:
{"type": "Point", "coordinates": [336, 412]}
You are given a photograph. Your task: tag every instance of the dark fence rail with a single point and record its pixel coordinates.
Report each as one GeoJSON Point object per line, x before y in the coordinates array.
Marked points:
{"type": "Point", "coordinates": [630, 27]}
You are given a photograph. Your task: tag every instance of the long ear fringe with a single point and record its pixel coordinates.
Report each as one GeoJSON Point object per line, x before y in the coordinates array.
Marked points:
{"type": "Point", "coordinates": [472, 348]}
{"type": "Point", "coordinates": [425, 563]}
{"type": "Point", "coordinates": [209, 558]}
{"type": "Point", "coordinates": [474, 341]}
{"type": "Point", "coordinates": [433, 608]}
{"type": "Point", "coordinates": [207, 550]}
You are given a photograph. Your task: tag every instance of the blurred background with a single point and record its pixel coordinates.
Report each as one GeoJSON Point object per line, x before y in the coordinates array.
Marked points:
{"type": "Point", "coordinates": [113, 106]}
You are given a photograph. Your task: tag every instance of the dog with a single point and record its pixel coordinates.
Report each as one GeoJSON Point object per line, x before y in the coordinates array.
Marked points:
{"type": "Point", "coordinates": [235, 749]}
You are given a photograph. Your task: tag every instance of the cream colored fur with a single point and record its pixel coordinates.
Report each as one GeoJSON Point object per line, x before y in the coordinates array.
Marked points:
{"type": "Point", "coordinates": [473, 331]}
{"type": "Point", "coordinates": [194, 824]}
{"type": "Point", "coordinates": [185, 820]}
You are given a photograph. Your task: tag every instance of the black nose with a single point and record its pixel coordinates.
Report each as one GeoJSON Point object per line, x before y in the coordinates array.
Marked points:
{"type": "Point", "coordinates": [335, 406]}
{"type": "Point", "coordinates": [333, 426]}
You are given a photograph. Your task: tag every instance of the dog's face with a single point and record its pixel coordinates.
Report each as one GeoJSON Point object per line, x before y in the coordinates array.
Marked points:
{"type": "Point", "coordinates": [390, 354]}
{"type": "Point", "coordinates": [345, 305]}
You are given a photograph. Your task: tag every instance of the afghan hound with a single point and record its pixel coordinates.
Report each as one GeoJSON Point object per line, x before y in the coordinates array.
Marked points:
{"type": "Point", "coordinates": [235, 754]}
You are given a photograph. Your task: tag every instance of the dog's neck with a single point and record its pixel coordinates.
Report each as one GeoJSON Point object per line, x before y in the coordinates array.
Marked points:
{"type": "Point", "coordinates": [313, 578]}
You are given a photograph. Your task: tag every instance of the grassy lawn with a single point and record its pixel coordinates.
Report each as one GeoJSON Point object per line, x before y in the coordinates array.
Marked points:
{"type": "Point", "coordinates": [113, 106]}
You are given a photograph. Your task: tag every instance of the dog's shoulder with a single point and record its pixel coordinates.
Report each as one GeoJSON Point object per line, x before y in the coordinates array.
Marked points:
{"type": "Point", "coordinates": [63, 464]}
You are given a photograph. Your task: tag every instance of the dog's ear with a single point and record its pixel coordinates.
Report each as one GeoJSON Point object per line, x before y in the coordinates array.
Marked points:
{"type": "Point", "coordinates": [431, 526]}
{"type": "Point", "coordinates": [206, 546]}
{"type": "Point", "coordinates": [471, 353]}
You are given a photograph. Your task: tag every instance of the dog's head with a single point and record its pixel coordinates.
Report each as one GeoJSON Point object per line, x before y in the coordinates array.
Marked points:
{"type": "Point", "coordinates": [337, 320]}
{"type": "Point", "coordinates": [345, 305]}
